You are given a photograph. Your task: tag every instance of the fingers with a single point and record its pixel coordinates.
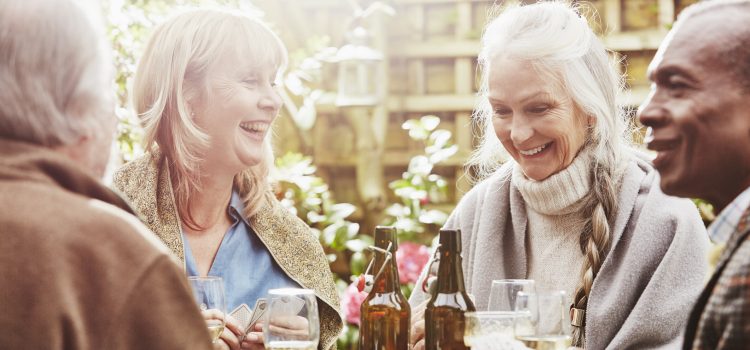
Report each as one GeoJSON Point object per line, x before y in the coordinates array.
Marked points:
{"type": "Point", "coordinates": [230, 339]}
{"type": "Point", "coordinates": [254, 340]}
{"type": "Point", "coordinates": [417, 332]}
{"type": "Point", "coordinates": [291, 323]}
{"type": "Point", "coordinates": [417, 325]}
{"type": "Point", "coordinates": [220, 345]}
{"type": "Point", "coordinates": [234, 326]}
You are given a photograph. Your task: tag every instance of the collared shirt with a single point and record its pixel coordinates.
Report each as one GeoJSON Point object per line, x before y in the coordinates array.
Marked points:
{"type": "Point", "coordinates": [726, 223]}
{"type": "Point", "coordinates": [242, 261]}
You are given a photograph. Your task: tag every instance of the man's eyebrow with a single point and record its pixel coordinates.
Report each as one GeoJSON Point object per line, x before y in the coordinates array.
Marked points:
{"type": "Point", "coordinates": [665, 72]}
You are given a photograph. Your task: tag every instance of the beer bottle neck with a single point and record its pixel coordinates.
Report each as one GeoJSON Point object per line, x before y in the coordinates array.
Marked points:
{"type": "Point", "coordinates": [388, 281]}
{"type": "Point", "coordinates": [450, 272]}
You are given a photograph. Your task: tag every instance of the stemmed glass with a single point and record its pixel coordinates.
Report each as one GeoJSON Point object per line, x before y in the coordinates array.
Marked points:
{"type": "Point", "coordinates": [291, 320]}
{"type": "Point", "coordinates": [209, 294]}
{"type": "Point", "coordinates": [542, 320]}
{"type": "Point", "coordinates": [503, 293]}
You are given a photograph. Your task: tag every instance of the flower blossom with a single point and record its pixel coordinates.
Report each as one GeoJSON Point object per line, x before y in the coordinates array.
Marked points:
{"type": "Point", "coordinates": [411, 258]}
{"type": "Point", "coordinates": [351, 302]}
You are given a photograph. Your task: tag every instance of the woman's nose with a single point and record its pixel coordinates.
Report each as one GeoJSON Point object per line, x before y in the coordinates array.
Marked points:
{"type": "Point", "coordinates": [520, 130]}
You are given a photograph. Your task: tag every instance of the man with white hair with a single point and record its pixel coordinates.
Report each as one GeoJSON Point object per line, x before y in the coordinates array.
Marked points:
{"type": "Point", "coordinates": [77, 270]}
{"type": "Point", "coordinates": [699, 115]}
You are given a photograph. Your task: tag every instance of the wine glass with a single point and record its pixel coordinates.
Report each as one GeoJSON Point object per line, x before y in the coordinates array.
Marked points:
{"type": "Point", "coordinates": [291, 320]}
{"type": "Point", "coordinates": [488, 330]}
{"type": "Point", "coordinates": [542, 320]}
{"type": "Point", "coordinates": [209, 293]}
{"type": "Point", "coordinates": [503, 293]}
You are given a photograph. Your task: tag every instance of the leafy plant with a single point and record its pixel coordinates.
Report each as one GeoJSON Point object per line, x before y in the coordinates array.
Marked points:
{"type": "Point", "coordinates": [418, 185]}
{"type": "Point", "coordinates": [309, 198]}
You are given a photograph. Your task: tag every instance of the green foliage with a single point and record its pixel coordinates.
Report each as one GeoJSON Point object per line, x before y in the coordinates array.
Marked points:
{"type": "Point", "coordinates": [706, 210]}
{"type": "Point", "coordinates": [308, 197]}
{"type": "Point", "coordinates": [418, 186]}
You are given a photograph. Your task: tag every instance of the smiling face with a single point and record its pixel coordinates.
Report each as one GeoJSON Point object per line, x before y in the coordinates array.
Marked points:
{"type": "Point", "coordinates": [237, 112]}
{"type": "Point", "coordinates": [699, 113]}
{"type": "Point", "coordinates": [535, 120]}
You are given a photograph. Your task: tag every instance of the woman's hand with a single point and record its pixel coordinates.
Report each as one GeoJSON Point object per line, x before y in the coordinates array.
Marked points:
{"type": "Point", "coordinates": [229, 338]}
{"type": "Point", "coordinates": [291, 327]}
{"type": "Point", "coordinates": [417, 326]}
{"type": "Point", "coordinates": [254, 339]}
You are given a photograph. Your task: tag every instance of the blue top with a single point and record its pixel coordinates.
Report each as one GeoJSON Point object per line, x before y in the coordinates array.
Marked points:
{"type": "Point", "coordinates": [242, 261]}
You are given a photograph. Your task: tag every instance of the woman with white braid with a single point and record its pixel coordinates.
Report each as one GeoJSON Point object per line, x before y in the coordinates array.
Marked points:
{"type": "Point", "coordinates": [577, 208]}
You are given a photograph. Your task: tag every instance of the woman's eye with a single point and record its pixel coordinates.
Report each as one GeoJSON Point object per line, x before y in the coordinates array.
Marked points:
{"type": "Point", "coordinates": [502, 112]}
{"type": "Point", "coordinates": [250, 82]}
{"type": "Point", "coordinates": [539, 109]}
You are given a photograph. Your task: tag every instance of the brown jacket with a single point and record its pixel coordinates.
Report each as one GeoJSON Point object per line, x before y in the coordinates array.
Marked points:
{"type": "Point", "coordinates": [77, 271]}
{"type": "Point", "coordinates": [721, 318]}
{"type": "Point", "coordinates": [145, 181]}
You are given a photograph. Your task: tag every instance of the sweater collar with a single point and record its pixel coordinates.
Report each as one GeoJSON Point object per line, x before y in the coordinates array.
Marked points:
{"type": "Point", "coordinates": [560, 193]}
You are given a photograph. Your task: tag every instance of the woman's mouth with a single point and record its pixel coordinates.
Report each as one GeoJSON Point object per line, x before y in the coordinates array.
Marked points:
{"type": "Point", "coordinates": [534, 151]}
{"type": "Point", "coordinates": [255, 129]}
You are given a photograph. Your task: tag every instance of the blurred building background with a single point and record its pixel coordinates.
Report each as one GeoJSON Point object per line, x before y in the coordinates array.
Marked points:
{"type": "Point", "coordinates": [430, 49]}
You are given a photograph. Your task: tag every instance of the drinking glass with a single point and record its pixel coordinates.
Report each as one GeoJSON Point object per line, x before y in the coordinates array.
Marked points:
{"type": "Point", "coordinates": [503, 293]}
{"type": "Point", "coordinates": [209, 293]}
{"type": "Point", "coordinates": [291, 320]}
{"type": "Point", "coordinates": [486, 330]}
{"type": "Point", "coordinates": [542, 320]}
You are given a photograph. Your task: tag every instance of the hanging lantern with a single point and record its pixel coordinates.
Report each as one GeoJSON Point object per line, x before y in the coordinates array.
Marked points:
{"type": "Point", "coordinates": [358, 71]}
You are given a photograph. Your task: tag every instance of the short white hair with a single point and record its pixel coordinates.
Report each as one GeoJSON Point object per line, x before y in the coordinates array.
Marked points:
{"type": "Point", "coordinates": [558, 42]}
{"type": "Point", "coordinates": [54, 72]}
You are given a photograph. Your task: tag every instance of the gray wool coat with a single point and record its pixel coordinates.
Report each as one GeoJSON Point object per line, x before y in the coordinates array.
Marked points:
{"type": "Point", "coordinates": [648, 283]}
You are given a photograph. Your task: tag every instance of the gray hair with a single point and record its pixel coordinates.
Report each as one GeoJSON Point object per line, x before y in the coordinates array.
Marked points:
{"type": "Point", "coordinates": [558, 42]}
{"type": "Point", "coordinates": [53, 72]}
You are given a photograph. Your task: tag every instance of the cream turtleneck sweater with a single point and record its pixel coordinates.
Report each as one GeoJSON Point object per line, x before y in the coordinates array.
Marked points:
{"type": "Point", "coordinates": [555, 221]}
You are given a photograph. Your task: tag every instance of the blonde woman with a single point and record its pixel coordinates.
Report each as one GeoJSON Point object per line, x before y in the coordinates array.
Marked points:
{"type": "Point", "coordinates": [576, 209]}
{"type": "Point", "coordinates": [205, 91]}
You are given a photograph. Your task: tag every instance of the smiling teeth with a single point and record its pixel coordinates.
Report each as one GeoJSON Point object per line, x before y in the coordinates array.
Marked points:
{"type": "Point", "coordinates": [254, 127]}
{"type": "Point", "coordinates": [533, 151]}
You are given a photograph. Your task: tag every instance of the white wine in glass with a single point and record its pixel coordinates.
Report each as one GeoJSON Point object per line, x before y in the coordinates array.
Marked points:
{"type": "Point", "coordinates": [545, 342]}
{"type": "Point", "coordinates": [292, 345]}
{"type": "Point", "coordinates": [542, 322]}
{"type": "Point", "coordinates": [291, 320]}
{"type": "Point", "coordinates": [215, 327]}
{"type": "Point", "coordinates": [209, 294]}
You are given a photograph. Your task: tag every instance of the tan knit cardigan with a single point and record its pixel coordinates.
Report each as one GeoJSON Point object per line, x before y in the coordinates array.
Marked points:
{"type": "Point", "coordinates": [145, 183]}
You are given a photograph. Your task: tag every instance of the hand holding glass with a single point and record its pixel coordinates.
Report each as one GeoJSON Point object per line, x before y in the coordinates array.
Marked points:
{"type": "Point", "coordinates": [291, 321]}
{"type": "Point", "coordinates": [209, 293]}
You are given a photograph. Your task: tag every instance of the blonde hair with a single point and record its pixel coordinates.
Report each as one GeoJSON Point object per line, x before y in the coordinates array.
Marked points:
{"type": "Point", "coordinates": [557, 41]}
{"type": "Point", "coordinates": [173, 73]}
{"type": "Point", "coordinates": [54, 72]}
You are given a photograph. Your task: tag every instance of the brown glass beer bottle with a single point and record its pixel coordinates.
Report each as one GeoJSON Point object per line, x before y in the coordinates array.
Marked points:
{"type": "Point", "coordinates": [444, 314]}
{"type": "Point", "coordinates": [385, 313]}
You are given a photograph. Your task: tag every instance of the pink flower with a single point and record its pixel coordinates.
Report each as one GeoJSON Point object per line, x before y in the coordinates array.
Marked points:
{"type": "Point", "coordinates": [412, 258]}
{"type": "Point", "coordinates": [351, 302]}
